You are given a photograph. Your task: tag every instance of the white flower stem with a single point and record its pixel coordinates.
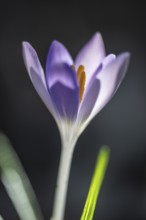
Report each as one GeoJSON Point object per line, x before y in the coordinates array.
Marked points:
{"type": "Point", "coordinates": [62, 181]}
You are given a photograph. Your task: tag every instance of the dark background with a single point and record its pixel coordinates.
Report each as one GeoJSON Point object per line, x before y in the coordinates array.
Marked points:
{"type": "Point", "coordinates": [121, 124]}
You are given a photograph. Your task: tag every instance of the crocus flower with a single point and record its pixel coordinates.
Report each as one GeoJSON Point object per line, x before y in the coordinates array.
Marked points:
{"type": "Point", "coordinates": [75, 91]}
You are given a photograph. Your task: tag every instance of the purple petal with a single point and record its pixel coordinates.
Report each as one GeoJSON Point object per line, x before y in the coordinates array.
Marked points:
{"type": "Point", "coordinates": [89, 99]}
{"type": "Point", "coordinates": [110, 78]}
{"type": "Point", "coordinates": [57, 56]}
{"type": "Point", "coordinates": [91, 55]}
{"type": "Point", "coordinates": [64, 90]}
{"type": "Point", "coordinates": [66, 100]}
{"type": "Point", "coordinates": [36, 74]}
{"type": "Point", "coordinates": [62, 81]}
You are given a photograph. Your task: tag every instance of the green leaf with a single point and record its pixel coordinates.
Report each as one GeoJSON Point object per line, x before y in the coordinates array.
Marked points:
{"type": "Point", "coordinates": [96, 182]}
{"type": "Point", "coordinates": [1, 217]}
{"type": "Point", "coordinates": [17, 183]}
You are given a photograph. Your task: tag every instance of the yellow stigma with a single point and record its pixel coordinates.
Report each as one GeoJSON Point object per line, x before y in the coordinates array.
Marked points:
{"type": "Point", "coordinates": [81, 79]}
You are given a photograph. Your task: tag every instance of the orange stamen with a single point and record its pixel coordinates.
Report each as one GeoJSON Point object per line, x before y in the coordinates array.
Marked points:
{"type": "Point", "coordinates": [81, 76]}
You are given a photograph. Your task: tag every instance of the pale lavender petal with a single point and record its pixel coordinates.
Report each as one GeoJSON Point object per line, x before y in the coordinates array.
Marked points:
{"type": "Point", "coordinates": [57, 56]}
{"type": "Point", "coordinates": [91, 55]}
{"type": "Point", "coordinates": [92, 90]}
{"type": "Point", "coordinates": [108, 59]}
{"type": "Point", "coordinates": [64, 90]}
{"type": "Point", "coordinates": [31, 59]}
{"type": "Point", "coordinates": [42, 91]}
{"type": "Point", "coordinates": [110, 78]}
{"type": "Point", "coordinates": [36, 74]}
{"type": "Point", "coordinates": [89, 100]}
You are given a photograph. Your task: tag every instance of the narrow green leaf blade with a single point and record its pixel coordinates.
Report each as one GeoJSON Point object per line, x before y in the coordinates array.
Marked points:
{"type": "Point", "coordinates": [17, 183]}
{"type": "Point", "coordinates": [1, 218]}
{"type": "Point", "coordinates": [96, 182]}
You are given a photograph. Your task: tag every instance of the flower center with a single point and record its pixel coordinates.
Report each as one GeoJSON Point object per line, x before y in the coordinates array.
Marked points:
{"type": "Point", "coordinates": [81, 76]}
